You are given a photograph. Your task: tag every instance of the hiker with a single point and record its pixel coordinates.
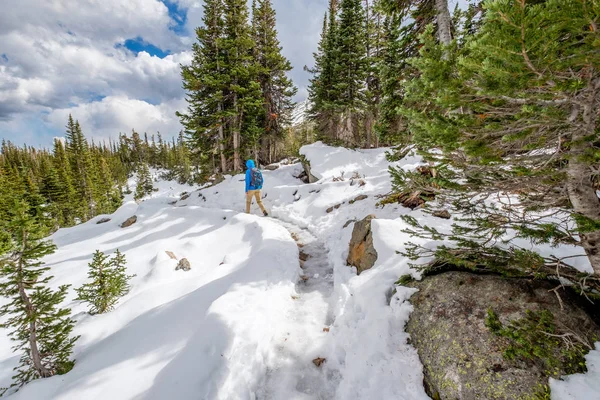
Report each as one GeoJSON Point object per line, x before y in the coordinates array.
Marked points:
{"type": "Point", "coordinates": [254, 182]}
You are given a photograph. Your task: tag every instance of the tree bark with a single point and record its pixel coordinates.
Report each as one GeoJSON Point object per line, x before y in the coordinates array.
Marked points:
{"type": "Point", "coordinates": [222, 141]}
{"type": "Point", "coordinates": [582, 193]}
{"type": "Point", "coordinates": [36, 357]}
{"type": "Point", "coordinates": [444, 22]}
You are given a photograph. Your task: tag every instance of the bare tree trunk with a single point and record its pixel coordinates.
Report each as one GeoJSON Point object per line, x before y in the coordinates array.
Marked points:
{"type": "Point", "coordinates": [444, 22]}
{"type": "Point", "coordinates": [579, 175]}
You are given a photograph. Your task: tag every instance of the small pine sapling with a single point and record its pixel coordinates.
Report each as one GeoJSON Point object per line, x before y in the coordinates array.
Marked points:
{"type": "Point", "coordinates": [109, 282]}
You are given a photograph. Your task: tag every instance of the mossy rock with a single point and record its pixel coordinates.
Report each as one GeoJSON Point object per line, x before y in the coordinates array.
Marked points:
{"type": "Point", "coordinates": [468, 354]}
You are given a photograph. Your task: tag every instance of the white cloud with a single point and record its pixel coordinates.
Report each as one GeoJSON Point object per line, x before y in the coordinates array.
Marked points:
{"type": "Point", "coordinates": [59, 57]}
{"type": "Point", "coordinates": [119, 114]}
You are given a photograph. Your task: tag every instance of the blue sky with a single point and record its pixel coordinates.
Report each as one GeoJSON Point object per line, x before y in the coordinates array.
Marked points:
{"type": "Point", "coordinates": [114, 64]}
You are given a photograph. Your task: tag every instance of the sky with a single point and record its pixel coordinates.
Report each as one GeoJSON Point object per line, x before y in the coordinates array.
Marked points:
{"type": "Point", "coordinates": [114, 64]}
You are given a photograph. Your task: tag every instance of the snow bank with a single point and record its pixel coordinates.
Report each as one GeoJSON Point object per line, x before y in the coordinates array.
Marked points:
{"type": "Point", "coordinates": [198, 334]}
{"type": "Point", "coordinates": [580, 386]}
{"type": "Point", "coordinates": [231, 324]}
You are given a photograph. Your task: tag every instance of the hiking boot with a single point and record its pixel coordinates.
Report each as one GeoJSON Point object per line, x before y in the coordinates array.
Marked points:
{"type": "Point", "coordinates": [266, 214]}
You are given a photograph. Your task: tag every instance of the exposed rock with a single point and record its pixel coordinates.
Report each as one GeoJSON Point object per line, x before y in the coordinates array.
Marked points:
{"type": "Point", "coordinates": [329, 210]}
{"type": "Point", "coordinates": [319, 361]}
{"type": "Point", "coordinates": [103, 221]}
{"type": "Point", "coordinates": [271, 167]}
{"type": "Point", "coordinates": [171, 255]}
{"type": "Point", "coordinates": [304, 278]}
{"type": "Point", "coordinates": [361, 183]}
{"type": "Point", "coordinates": [349, 222]}
{"type": "Point", "coordinates": [185, 196]}
{"type": "Point", "coordinates": [442, 214]}
{"type": "Point", "coordinates": [310, 178]}
{"type": "Point", "coordinates": [129, 221]}
{"type": "Point", "coordinates": [359, 198]}
{"type": "Point", "coordinates": [303, 256]}
{"type": "Point", "coordinates": [362, 254]}
{"type": "Point", "coordinates": [172, 203]}
{"type": "Point", "coordinates": [183, 265]}
{"type": "Point", "coordinates": [463, 359]}
{"type": "Point", "coordinates": [337, 206]}
{"type": "Point", "coordinates": [326, 329]}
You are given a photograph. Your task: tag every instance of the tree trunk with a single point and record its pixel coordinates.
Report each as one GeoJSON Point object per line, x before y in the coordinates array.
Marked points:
{"type": "Point", "coordinates": [236, 136]}
{"type": "Point", "coordinates": [444, 22]}
{"type": "Point", "coordinates": [222, 141]}
{"type": "Point", "coordinates": [369, 128]}
{"type": "Point", "coordinates": [36, 358]}
{"type": "Point", "coordinates": [580, 187]}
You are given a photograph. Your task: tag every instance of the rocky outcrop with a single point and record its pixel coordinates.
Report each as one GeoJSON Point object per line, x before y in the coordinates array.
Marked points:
{"type": "Point", "coordinates": [183, 265]}
{"type": "Point", "coordinates": [362, 253]}
{"type": "Point", "coordinates": [271, 167]}
{"type": "Point", "coordinates": [103, 221]}
{"type": "Point", "coordinates": [477, 339]}
{"type": "Point", "coordinates": [129, 221]}
{"type": "Point", "coordinates": [308, 176]}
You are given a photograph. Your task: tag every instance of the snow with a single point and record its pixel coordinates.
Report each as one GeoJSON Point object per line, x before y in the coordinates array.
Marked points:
{"type": "Point", "coordinates": [247, 321]}
{"type": "Point", "coordinates": [300, 112]}
{"type": "Point", "coordinates": [580, 386]}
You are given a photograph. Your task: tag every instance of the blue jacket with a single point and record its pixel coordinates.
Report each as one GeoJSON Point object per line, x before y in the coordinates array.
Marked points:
{"type": "Point", "coordinates": [250, 165]}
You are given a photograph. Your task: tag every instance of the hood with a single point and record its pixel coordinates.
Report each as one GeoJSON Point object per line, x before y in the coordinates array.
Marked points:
{"type": "Point", "coordinates": [250, 164]}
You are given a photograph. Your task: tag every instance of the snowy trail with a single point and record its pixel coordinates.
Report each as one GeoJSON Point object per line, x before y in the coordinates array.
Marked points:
{"type": "Point", "coordinates": [293, 375]}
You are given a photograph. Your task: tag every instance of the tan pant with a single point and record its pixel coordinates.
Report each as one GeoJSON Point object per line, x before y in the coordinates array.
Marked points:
{"type": "Point", "coordinates": [256, 194]}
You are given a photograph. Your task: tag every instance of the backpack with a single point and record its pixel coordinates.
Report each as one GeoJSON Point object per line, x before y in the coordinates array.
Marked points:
{"type": "Point", "coordinates": [256, 178]}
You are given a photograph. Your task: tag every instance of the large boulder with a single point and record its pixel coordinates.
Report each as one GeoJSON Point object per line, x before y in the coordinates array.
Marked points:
{"type": "Point", "coordinates": [362, 253]}
{"type": "Point", "coordinates": [477, 339]}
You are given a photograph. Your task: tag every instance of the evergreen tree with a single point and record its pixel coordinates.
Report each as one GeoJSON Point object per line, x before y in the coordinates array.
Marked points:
{"type": "Point", "coordinates": [144, 182]}
{"type": "Point", "coordinates": [518, 107]}
{"type": "Point", "coordinates": [244, 89]}
{"type": "Point", "coordinates": [109, 282]}
{"type": "Point", "coordinates": [277, 89]}
{"type": "Point", "coordinates": [323, 90]}
{"type": "Point", "coordinates": [205, 83]}
{"type": "Point", "coordinates": [66, 197]}
{"type": "Point", "coordinates": [351, 69]}
{"type": "Point", "coordinates": [41, 329]}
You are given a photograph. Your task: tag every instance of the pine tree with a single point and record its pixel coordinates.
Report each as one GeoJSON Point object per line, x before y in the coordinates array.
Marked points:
{"type": "Point", "coordinates": [109, 282]}
{"type": "Point", "coordinates": [41, 329]}
{"type": "Point", "coordinates": [205, 84]}
{"type": "Point", "coordinates": [277, 89]}
{"type": "Point", "coordinates": [351, 69]}
{"type": "Point", "coordinates": [144, 182]}
{"type": "Point", "coordinates": [244, 89]}
{"type": "Point", "coordinates": [519, 107]}
{"type": "Point", "coordinates": [324, 89]}
{"type": "Point", "coordinates": [66, 197]}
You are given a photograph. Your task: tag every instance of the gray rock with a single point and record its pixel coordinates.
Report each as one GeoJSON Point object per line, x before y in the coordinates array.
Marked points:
{"type": "Point", "coordinates": [310, 178]}
{"type": "Point", "coordinates": [185, 196]}
{"type": "Point", "coordinates": [359, 198]}
{"type": "Point", "coordinates": [103, 221]}
{"type": "Point", "coordinates": [183, 265]}
{"type": "Point", "coordinates": [129, 221]}
{"type": "Point", "coordinates": [442, 214]}
{"type": "Point", "coordinates": [271, 167]}
{"type": "Point", "coordinates": [362, 253]}
{"type": "Point", "coordinates": [171, 255]}
{"type": "Point", "coordinates": [462, 358]}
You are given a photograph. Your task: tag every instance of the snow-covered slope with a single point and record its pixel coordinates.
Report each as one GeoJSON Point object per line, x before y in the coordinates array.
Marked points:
{"type": "Point", "coordinates": [241, 324]}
